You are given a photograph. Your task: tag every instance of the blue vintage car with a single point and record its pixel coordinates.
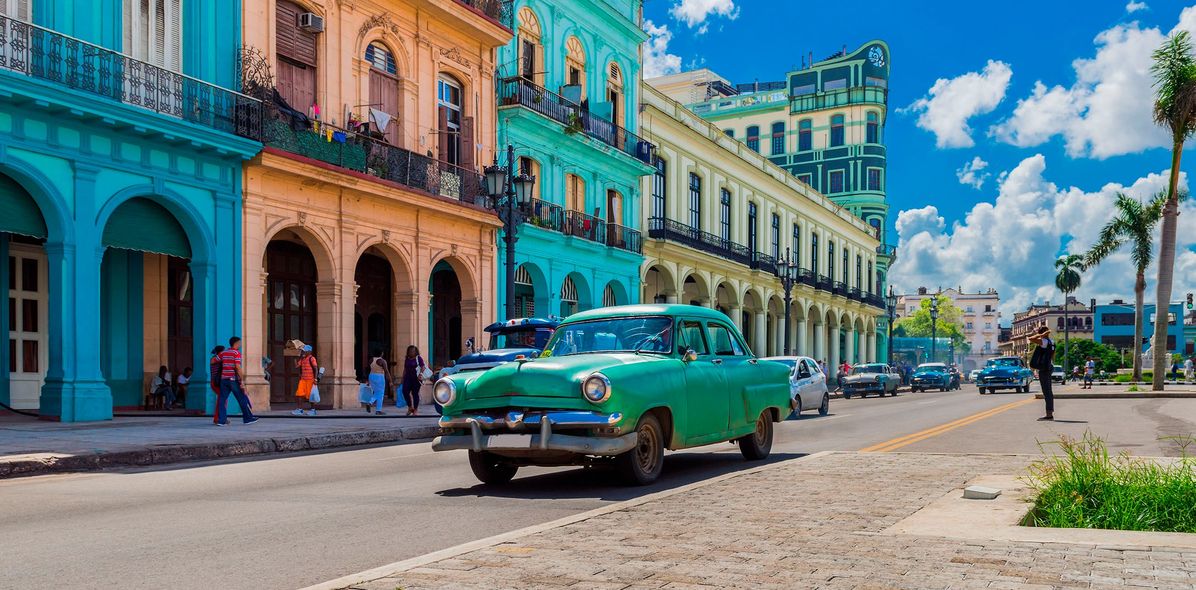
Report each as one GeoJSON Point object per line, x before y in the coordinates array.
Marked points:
{"type": "Point", "coordinates": [932, 376]}
{"type": "Point", "coordinates": [509, 340]}
{"type": "Point", "coordinates": [1007, 372]}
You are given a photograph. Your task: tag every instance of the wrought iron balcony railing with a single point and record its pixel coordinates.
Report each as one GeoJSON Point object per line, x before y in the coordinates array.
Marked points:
{"type": "Point", "coordinates": [661, 228]}
{"type": "Point", "coordinates": [44, 54]}
{"type": "Point", "coordinates": [765, 262]}
{"type": "Point", "coordinates": [824, 283]}
{"type": "Point", "coordinates": [624, 238]}
{"type": "Point", "coordinates": [362, 153]}
{"type": "Point", "coordinates": [807, 277]}
{"type": "Point", "coordinates": [874, 300]}
{"type": "Point", "coordinates": [840, 97]}
{"type": "Point", "coordinates": [586, 227]}
{"type": "Point", "coordinates": [499, 11]}
{"type": "Point", "coordinates": [575, 118]}
{"type": "Point", "coordinates": [839, 288]}
{"type": "Point", "coordinates": [545, 215]}
{"type": "Point", "coordinates": [886, 250]}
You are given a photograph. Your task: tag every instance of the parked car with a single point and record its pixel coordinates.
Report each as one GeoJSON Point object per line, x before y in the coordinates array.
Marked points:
{"type": "Point", "coordinates": [931, 376]}
{"type": "Point", "coordinates": [975, 374]}
{"type": "Point", "coordinates": [616, 386]}
{"type": "Point", "coordinates": [1057, 374]}
{"type": "Point", "coordinates": [509, 340]}
{"type": "Point", "coordinates": [876, 378]}
{"type": "Point", "coordinates": [807, 384]}
{"type": "Point", "coordinates": [1007, 372]}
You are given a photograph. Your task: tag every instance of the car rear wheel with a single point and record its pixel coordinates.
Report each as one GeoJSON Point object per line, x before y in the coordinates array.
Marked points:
{"type": "Point", "coordinates": [491, 469]}
{"type": "Point", "coordinates": [825, 408]}
{"type": "Point", "coordinates": [758, 444]}
{"type": "Point", "coordinates": [642, 465]}
{"type": "Point", "coordinates": [982, 392]}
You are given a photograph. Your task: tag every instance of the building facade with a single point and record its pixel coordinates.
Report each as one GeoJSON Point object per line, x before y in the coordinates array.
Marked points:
{"type": "Point", "coordinates": [121, 147]}
{"type": "Point", "coordinates": [1113, 325]}
{"type": "Point", "coordinates": [1079, 324]}
{"type": "Point", "coordinates": [721, 222]}
{"type": "Point", "coordinates": [366, 229]}
{"type": "Point", "coordinates": [568, 99]}
{"type": "Point", "coordinates": [979, 320]}
{"type": "Point", "coordinates": [824, 124]}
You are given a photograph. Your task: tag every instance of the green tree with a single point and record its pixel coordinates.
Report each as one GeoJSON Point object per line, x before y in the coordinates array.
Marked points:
{"type": "Point", "coordinates": [1068, 280]}
{"type": "Point", "coordinates": [1174, 72]}
{"type": "Point", "coordinates": [948, 325]}
{"type": "Point", "coordinates": [1107, 358]}
{"type": "Point", "coordinates": [1133, 225]}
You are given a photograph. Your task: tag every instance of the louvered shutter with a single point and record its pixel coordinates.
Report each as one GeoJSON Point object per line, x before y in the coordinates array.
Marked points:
{"type": "Point", "coordinates": [18, 9]}
{"type": "Point", "coordinates": [286, 27]}
{"type": "Point", "coordinates": [442, 133]}
{"type": "Point", "coordinates": [467, 151]}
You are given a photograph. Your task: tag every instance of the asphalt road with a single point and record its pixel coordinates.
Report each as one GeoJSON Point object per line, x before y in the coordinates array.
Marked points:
{"type": "Point", "coordinates": [302, 519]}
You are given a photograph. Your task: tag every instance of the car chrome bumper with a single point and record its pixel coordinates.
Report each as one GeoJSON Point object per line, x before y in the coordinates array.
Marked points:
{"type": "Point", "coordinates": [535, 431]}
{"type": "Point", "coordinates": [516, 420]}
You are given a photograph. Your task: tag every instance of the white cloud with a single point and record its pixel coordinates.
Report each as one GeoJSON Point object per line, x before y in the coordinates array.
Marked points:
{"type": "Point", "coordinates": [695, 12]}
{"type": "Point", "coordinates": [1107, 110]}
{"type": "Point", "coordinates": [972, 174]}
{"type": "Point", "coordinates": [949, 104]}
{"type": "Point", "coordinates": [1132, 6]}
{"type": "Point", "coordinates": [657, 59]}
{"type": "Point", "coordinates": [1010, 244]}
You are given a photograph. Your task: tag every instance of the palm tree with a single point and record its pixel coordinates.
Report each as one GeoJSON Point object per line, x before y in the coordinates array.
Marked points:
{"type": "Point", "coordinates": [1134, 226]}
{"type": "Point", "coordinates": [1068, 280]}
{"type": "Point", "coordinates": [1174, 73]}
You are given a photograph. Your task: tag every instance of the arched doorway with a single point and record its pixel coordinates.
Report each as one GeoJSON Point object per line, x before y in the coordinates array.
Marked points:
{"type": "Point", "coordinates": [658, 285]}
{"type": "Point", "coordinates": [24, 283]}
{"type": "Point", "coordinates": [372, 311]}
{"type": "Point", "coordinates": [291, 311]}
{"type": "Point", "coordinates": [446, 315]}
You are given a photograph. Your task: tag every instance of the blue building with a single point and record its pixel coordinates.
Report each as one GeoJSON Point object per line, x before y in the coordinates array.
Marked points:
{"type": "Point", "coordinates": [1114, 326]}
{"type": "Point", "coordinates": [568, 101]}
{"type": "Point", "coordinates": [120, 181]}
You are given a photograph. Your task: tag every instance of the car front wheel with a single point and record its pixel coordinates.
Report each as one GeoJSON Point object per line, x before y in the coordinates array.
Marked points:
{"type": "Point", "coordinates": [825, 408]}
{"type": "Point", "coordinates": [642, 465]}
{"type": "Point", "coordinates": [491, 469]}
{"type": "Point", "coordinates": [758, 444]}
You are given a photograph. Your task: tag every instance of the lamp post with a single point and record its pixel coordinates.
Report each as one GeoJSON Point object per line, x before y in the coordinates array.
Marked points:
{"type": "Point", "coordinates": [788, 270]}
{"type": "Point", "coordinates": [934, 320]}
{"type": "Point", "coordinates": [891, 306]}
{"type": "Point", "coordinates": [509, 192]}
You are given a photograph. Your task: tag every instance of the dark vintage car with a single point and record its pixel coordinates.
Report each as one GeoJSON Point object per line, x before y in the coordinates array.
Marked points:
{"type": "Point", "coordinates": [509, 340]}
{"type": "Point", "coordinates": [1007, 372]}
{"type": "Point", "coordinates": [876, 378]}
{"type": "Point", "coordinates": [932, 376]}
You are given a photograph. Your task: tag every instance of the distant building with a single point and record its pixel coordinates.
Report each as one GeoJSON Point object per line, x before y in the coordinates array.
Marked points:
{"type": "Point", "coordinates": [1190, 333]}
{"type": "Point", "coordinates": [1079, 324]}
{"type": "Point", "coordinates": [979, 318]}
{"type": "Point", "coordinates": [1114, 326]}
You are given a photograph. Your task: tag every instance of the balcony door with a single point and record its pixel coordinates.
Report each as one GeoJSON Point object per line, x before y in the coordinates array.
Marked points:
{"type": "Point", "coordinates": [152, 31]}
{"type": "Point", "coordinates": [297, 54]}
{"type": "Point", "coordinates": [384, 92]}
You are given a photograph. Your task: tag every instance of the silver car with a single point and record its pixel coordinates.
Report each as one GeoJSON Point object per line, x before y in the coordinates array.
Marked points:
{"type": "Point", "coordinates": [807, 384]}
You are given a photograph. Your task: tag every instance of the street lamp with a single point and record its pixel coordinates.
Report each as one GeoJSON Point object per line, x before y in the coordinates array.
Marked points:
{"type": "Point", "coordinates": [891, 305]}
{"type": "Point", "coordinates": [788, 272]}
{"type": "Point", "coordinates": [509, 194]}
{"type": "Point", "coordinates": [934, 320]}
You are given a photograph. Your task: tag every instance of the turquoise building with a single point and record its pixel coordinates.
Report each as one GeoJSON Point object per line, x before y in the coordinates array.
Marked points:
{"type": "Point", "coordinates": [120, 181]}
{"type": "Point", "coordinates": [568, 96]}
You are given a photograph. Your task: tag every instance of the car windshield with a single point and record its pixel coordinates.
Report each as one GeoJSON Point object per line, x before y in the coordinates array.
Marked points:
{"type": "Point", "coordinates": [645, 334]}
{"type": "Point", "coordinates": [1004, 363]}
{"type": "Point", "coordinates": [867, 369]}
{"type": "Point", "coordinates": [933, 368]}
{"type": "Point", "coordinates": [1058, 368]}
{"type": "Point", "coordinates": [522, 338]}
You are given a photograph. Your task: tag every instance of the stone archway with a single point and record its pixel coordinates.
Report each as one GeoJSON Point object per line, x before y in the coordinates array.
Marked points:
{"type": "Point", "coordinates": [660, 286]}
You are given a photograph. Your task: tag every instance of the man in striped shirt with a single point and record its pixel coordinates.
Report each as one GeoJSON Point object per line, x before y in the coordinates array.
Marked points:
{"type": "Point", "coordinates": [232, 375]}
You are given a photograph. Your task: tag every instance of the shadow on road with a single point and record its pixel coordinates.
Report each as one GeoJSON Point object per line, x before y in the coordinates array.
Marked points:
{"type": "Point", "coordinates": [1058, 421]}
{"type": "Point", "coordinates": [601, 482]}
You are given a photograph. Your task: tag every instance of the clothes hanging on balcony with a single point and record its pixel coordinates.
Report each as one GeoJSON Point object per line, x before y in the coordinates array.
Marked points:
{"type": "Point", "coordinates": [381, 119]}
{"type": "Point", "coordinates": [297, 120]}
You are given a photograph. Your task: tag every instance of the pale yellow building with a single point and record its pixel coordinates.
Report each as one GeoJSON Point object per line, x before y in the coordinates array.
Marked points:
{"type": "Point", "coordinates": [979, 320]}
{"type": "Point", "coordinates": [721, 220]}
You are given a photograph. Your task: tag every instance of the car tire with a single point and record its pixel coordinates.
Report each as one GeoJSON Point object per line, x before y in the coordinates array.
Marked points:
{"type": "Point", "coordinates": [758, 444]}
{"type": "Point", "coordinates": [825, 408]}
{"type": "Point", "coordinates": [642, 465]}
{"type": "Point", "coordinates": [490, 469]}
{"type": "Point", "coordinates": [982, 392]}
{"type": "Point", "coordinates": [797, 410]}
{"type": "Point", "coordinates": [846, 396]}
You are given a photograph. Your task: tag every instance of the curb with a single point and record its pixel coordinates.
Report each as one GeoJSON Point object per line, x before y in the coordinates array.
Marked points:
{"type": "Point", "coordinates": [449, 552]}
{"type": "Point", "coordinates": [1124, 395]}
{"type": "Point", "coordinates": [204, 452]}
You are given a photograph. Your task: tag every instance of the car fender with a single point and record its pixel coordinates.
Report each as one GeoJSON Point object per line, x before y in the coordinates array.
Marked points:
{"type": "Point", "coordinates": [653, 385]}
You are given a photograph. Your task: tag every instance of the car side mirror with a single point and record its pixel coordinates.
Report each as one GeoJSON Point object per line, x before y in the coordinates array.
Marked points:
{"type": "Point", "coordinates": [689, 356]}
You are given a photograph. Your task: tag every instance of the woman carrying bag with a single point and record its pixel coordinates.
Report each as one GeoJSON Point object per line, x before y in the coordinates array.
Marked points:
{"type": "Point", "coordinates": [415, 371]}
{"type": "Point", "coordinates": [1043, 361]}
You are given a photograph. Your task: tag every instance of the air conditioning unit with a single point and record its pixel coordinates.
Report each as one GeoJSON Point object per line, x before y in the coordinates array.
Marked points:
{"type": "Point", "coordinates": [311, 22]}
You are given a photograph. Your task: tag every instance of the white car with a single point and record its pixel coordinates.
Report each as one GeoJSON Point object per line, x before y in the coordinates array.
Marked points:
{"type": "Point", "coordinates": [1057, 374]}
{"type": "Point", "coordinates": [807, 384]}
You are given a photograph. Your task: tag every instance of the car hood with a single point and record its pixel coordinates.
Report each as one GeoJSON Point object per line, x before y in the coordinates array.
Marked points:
{"type": "Point", "coordinates": [862, 378]}
{"type": "Point", "coordinates": [500, 355]}
{"type": "Point", "coordinates": [547, 377]}
{"type": "Point", "coordinates": [1001, 372]}
{"type": "Point", "coordinates": [929, 374]}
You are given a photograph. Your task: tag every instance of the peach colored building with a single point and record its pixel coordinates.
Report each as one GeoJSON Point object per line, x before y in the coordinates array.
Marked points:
{"type": "Point", "coordinates": [364, 224]}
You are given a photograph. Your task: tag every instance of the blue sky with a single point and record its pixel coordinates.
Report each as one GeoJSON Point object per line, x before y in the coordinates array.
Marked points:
{"type": "Point", "coordinates": [1050, 101]}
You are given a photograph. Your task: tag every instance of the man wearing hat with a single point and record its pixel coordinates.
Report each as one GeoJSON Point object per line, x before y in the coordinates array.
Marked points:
{"type": "Point", "coordinates": [1043, 361]}
{"type": "Point", "coordinates": [308, 368]}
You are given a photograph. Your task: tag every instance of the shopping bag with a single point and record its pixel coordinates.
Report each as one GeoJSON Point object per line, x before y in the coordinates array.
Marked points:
{"type": "Point", "coordinates": [315, 394]}
{"type": "Point", "coordinates": [426, 374]}
{"type": "Point", "coordinates": [400, 401]}
{"type": "Point", "coordinates": [365, 394]}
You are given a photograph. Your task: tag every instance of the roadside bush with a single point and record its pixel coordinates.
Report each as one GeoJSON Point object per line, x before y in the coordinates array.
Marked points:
{"type": "Point", "coordinates": [1085, 487]}
{"type": "Point", "coordinates": [1126, 377]}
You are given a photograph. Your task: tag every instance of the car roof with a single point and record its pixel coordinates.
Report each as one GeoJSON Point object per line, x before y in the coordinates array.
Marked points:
{"type": "Point", "coordinates": [625, 311]}
{"type": "Point", "coordinates": [522, 323]}
{"type": "Point", "coordinates": [932, 365]}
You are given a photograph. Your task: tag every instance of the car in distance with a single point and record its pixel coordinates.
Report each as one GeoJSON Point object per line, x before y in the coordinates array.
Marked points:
{"type": "Point", "coordinates": [616, 386]}
{"type": "Point", "coordinates": [1057, 374]}
{"type": "Point", "coordinates": [1007, 372]}
{"type": "Point", "coordinates": [931, 376]}
{"type": "Point", "coordinates": [956, 377]}
{"type": "Point", "coordinates": [975, 374]}
{"type": "Point", "coordinates": [509, 340]}
{"type": "Point", "coordinates": [807, 384]}
{"type": "Point", "coordinates": [876, 378]}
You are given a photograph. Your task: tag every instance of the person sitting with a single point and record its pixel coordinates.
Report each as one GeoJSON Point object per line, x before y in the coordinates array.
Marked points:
{"type": "Point", "coordinates": [160, 386]}
{"type": "Point", "coordinates": [180, 385]}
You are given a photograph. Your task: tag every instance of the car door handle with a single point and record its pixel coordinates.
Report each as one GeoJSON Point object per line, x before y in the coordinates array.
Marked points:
{"type": "Point", "coordinates": [753, 361]}
{"type": "Point", "coordinates": [717, 361]}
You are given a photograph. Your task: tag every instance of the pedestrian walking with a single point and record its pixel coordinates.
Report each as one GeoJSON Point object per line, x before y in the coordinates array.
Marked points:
{"type": "Point", "coordinates": [413, 369]}
{"type": "Point", "coordinates": [1089, 373]}
{"type": "Point", "coordinates": [232, 376]}
{"type": "Point", "coordinates": [214, 366]}
{"type": "Point", "coordinates": [1190, 369]}
{"type": "Point", "coordinates": [308, 369]}
{"type": "Point", "coordinates": [1043, 361]}
{"type": "Point", "coordinates": [379, 382]}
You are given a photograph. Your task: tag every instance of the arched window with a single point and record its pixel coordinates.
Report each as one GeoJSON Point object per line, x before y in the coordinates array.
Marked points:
{"type": "Point", "coordinates": [836, 130]}
{"type": "Point", "coordinates": [531, 168]}
{"type": "Point", "coordinates": [614, 207]}
{"type": "Point", "coordinates": [614, 93]}
{"type": "Point", "coordinates": [753, 138]}
{"type": "Point", "coordinates": [297, 52]}
{"type": "Point", "coordinates": [778, 138]}
{"type": "Point", "coordinates": [384, 91]}
{"type": "Point", "coordinates": [873, 129]}
{"type": "Point", "coordinates": [455, 130]}
{"type": "Point", "coordinates": [805, 135]}
{"type": "Point", "coordinates": [575, 70]}
{"type": "Point", "coordinates": [531, 50]}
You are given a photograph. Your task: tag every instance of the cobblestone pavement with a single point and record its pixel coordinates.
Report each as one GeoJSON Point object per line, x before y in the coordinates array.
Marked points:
{"type": "Point", "coordinates": [805, 524]}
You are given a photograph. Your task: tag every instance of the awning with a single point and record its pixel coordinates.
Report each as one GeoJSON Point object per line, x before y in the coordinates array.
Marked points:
{"type": "Point", "coordinates": [141, 224]}
{"type": "Point", "coordinates": [21, 213]}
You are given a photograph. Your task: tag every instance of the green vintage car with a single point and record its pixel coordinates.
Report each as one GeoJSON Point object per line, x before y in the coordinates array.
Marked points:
{"type": "Point", "coordinates": [616, 386]}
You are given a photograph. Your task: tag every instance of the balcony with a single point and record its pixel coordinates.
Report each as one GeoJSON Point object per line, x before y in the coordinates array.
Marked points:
{"type": "Point", "coordinates": [576, 120]}
{"type": "Point", "coordinates": [839, 288]}
{"type": "Point", "coordinates": [586, 227]}
{"type": "Point", "coordinates": [837, 98]}
{"type": "Point", "coordinates": [362, 153]}
{"type": "Point", "coordinates": [43, 54]}
{"type": "Point", "coordinates": [765, 263]}
{"type": "Point", "coordinates": [887, 250]}
{"type": "Point", "coordinates": [499, 11]}
{"type": "Point", "coordinates": [660, 228]}
{"type": "Point", "coordinates": [624, 238]}
{"type": "Point", "coordinates": [544, 215]}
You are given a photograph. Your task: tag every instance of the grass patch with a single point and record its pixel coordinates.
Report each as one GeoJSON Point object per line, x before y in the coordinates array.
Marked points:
{"type": "Point", "coordinates": [1085, 487]}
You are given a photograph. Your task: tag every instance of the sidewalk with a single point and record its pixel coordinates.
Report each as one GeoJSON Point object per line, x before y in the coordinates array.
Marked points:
{"type": "Point", "coordinates": [29, 446]}
{"type": "Point", "coordinates": [811, 523]}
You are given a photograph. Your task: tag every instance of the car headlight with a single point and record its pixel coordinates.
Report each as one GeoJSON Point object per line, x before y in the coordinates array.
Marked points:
{"type": "Point", "coordinates": [445, 392]}
{"type": "Point", "coordinates": [596, 388]}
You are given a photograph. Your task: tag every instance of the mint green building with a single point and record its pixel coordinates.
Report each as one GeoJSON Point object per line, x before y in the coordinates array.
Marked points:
{"type": "Point", "coordinates": [568, 99]}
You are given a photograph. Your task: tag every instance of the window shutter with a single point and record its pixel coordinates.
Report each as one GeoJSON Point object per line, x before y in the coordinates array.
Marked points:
{"type": "Point", "coordinates": [127, 26]}
{"type": "Point", "coordinates": [18, 9]}
{"type": "Point", "coordinates": [174, 35]}
{"type": "Point", "coordinates": [286, 27]}
{"type": "Point", "coordinates": [157, 53]}
{"type": "Point", "coordinates": [467, 150]}
{"type": "Point", "coordinates": [442, 133]}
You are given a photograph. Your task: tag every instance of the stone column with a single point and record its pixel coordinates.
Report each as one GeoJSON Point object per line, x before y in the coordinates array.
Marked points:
{"type": "Point", "coordinates": [819, 333]}
{"type": "Point", "coordinates": [872, 347]}
{"type": "Point", "coordinates": [670, 297]}
{"type": "Point", "coordinates": [833, 360]}
{"type": "Point", "coordinates": [850, 346]}
{"type": "Point", "coordinates": [760, 337]}
{"type": "Point", "coordinates": [803, 347]}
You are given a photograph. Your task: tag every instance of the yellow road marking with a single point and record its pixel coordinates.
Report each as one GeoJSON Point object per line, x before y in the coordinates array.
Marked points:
{"type": "Point", "coordinates": [910, 439]}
